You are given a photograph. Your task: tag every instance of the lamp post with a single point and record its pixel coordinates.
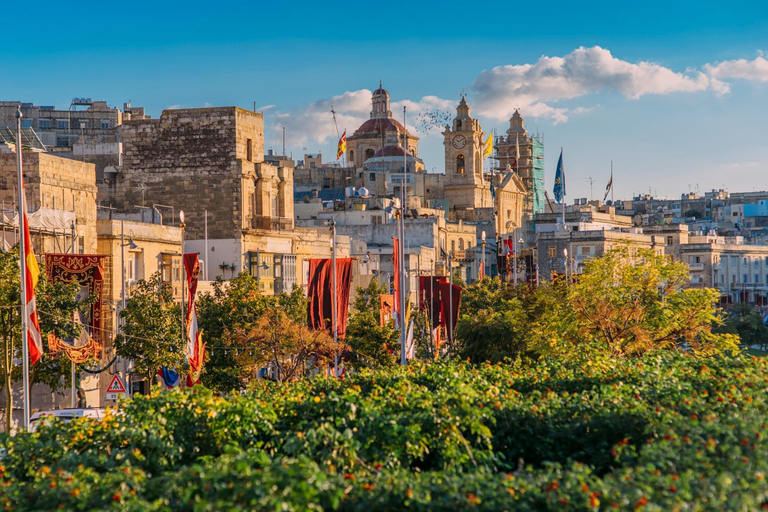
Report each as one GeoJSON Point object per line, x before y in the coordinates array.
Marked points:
{"type": "Point", "coordinates": [123, 245]}
{"type": "Point", "coordinates": [565, 254]}
{"type": "Point", "coordinates": [482, 235]}
{"type": "Point", "coordinates": [521, 242]}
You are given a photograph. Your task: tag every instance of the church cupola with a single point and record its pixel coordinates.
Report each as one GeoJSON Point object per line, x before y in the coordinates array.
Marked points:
{"type": "Point", "coordinates": [463, 122]}
{"type": "Point", "coordinates": [380, 101]}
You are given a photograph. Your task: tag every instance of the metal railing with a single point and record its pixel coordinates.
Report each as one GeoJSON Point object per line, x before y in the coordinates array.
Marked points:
{"type": "Point", "coordinates": [271, 223]}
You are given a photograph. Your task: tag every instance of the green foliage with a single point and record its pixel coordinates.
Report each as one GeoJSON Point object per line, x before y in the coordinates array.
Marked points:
{"type": "Point", "coordinates": [152, 333]}
{"type": "Point", "coordinates": [233, 309]}
{"type": "Point", "coordinates": [56, 305]}
{"type": "Point", "coordinates": [664, 431]}
{"type": "Point", "coordinates": [747, 323]}
{"type": "Point", "coordinates": [370, 343]}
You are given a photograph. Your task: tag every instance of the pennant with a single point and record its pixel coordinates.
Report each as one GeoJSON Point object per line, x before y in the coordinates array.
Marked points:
{"type": "Point", "coordinates": [481, 273]}
{"type": "Point", "coordinates": [488, 151]}
{"type": "Point", "coordinates": [608, 187]}
{"type": "Point", "coordinates": [195, 348]}
{"type": "Point", "coordinates": [342, 147]}
{"type": "Point", "coordinates": [559, 189]}
{"type": "Point", "coordinates": [410, 344]}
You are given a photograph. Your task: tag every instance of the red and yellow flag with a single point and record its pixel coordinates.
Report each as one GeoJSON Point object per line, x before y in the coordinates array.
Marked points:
{"type": "Point", "coordinates": [342, 147]}
{"type": "Point", "coordinates": [32, 275]}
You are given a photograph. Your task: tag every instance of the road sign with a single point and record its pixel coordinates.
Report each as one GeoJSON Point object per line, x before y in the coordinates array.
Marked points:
{"type": "Point", "coordinates": [116, 389]}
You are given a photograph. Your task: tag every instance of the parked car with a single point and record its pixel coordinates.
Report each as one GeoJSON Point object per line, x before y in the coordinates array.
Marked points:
{"type": "Point", "coordinates": [41, 417]}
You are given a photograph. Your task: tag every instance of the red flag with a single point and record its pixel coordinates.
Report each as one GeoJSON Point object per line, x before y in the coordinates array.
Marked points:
{"type": "Point", "coordinates": [320, 307]}
{"type": "Point", "coordinates": [396, 274]}
{"type": "Point", "coordinates": [482, 270]}
{"type": "Point", "coordinates": [195, 348]}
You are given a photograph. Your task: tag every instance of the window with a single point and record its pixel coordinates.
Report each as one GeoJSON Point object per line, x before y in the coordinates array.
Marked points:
{"type": "Point", "coordinates": [460, 164]}
{"type": "Point", "coordinates": [45, 124]}
{"type": "Point", "coordinates": [722, 279]}
{"type": "Point", "coordinates": [552, 251]}
{"type": "Point", "coordinates": [757, 278]}
{"type": "Point", "coordinates": [326, 183]}
{"type": "Point", "coordinates": [694, 259]}
{"type": "Point", "coordinates": [62, 124]}
{"type": "Point", "coordinates": [351, 156]}
{"type": "Point", "coordinates": [453, 246]}
{"type": "Point", "coordinates": [461, 244]}
{"type": "Point", "coordinates": [104, 125]}
{"type": "Point", "coordinates": [81, 245]}
{"type": "Point", "coordinates": [83, 125]}
{"type": "Point", "coordinates": [586, 250]}
{"type": "Point", "coordinates": [745, 278]}
{"type": "Point", "coordinates": [670, 240]}
{"type": "Point", "coordinates": [369, 153]}
{"type": "Point", "coordinates": [249, 150]}
{"type": "Point", "coordinates": [312, 165]}
{"type": "Point", "coordinates": [734, 260]}
{"type": "Point", "coordinates": [372, 176]}
{"type": "Point", "coordinates": [745, 261]}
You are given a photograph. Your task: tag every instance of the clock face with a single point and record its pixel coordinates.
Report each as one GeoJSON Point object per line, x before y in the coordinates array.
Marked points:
{"type": "Point", "coordinates": [459, 141]}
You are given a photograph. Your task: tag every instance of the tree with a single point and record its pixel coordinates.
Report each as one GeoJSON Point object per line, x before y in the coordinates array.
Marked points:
{"type": "Point", "coordinates": [371, 344]}
{"type": "Point", "coordinates": [746, 322]}
{"type": "Point", "coordinates": [56, 304]}
{"type": "Point", "coordinates": [631, 305]}
{"type": "Point", "coordinates": [152, 333]}
{"type": "Point", "coordinates": [236, 306]}
{"type": "Point", "coordinates": [289, 347]}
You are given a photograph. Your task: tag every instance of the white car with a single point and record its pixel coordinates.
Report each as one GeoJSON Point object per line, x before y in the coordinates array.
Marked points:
{"type": "Point", "coordinates": [65, 415]}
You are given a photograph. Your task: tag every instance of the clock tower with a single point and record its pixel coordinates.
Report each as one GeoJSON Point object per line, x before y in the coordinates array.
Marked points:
{"type": "Point", "coordinates": [465, 184]}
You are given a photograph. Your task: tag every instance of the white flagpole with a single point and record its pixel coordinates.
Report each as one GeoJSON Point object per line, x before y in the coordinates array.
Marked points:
{"type": "Point", "coordinates": [401, 256]}
{"type": "Point", "coordinates": [612, 182]}
{"type": "Point", "coordinates": [22, 260]}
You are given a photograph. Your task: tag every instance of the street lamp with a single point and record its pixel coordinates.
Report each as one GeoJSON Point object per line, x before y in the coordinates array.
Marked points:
{"type": "Point", "coordinates": [123, 245]}
{"type": "Point", "coordinates": [520, 241]}
{"type": "Point", "coordinates": [565, 254]}
{"type": "Point", "coordinates": [482, 235]}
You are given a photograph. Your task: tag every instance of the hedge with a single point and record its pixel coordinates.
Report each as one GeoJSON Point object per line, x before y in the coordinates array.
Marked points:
{"type": "Point", "coordinates": [662, 432]}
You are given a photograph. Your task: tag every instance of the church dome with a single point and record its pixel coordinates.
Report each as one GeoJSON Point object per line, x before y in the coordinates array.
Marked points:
{"type": "Point", "coordinates": [391, 151]}
{"type": "Point", "coordinates": [379, 126]}
{"type": "Point", "coordinates": [380, 91]}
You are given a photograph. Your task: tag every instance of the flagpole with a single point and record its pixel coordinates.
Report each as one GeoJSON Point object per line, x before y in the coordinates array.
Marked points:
{"type": "Point", "coordinates": [401, 256]}
{"type": "Point", "coordinates": [334, 300]}
{"type": "Point", "coordinates": [612, 182]}
{"type": "Point", "coordinates": [23, 265]}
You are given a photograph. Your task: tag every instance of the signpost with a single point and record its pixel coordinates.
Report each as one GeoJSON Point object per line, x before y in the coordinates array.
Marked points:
{"type": "Point", "coordinates": [116, 389]}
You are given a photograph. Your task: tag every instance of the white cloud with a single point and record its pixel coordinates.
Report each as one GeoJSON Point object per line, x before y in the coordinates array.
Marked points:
{"type": "Point", "coordinates": [584, 71]}
{"type": "Point", "coordinates": [738, 69]}
{"type": "Point", "coordinates": [173, 107]}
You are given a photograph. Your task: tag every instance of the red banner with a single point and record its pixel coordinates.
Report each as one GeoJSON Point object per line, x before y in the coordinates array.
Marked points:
{"type": "Point", "coordinates": [195, 348]}
{"type": "Point", "coordinates": [320, 290]}
{"type": "Point", "coordinates": [87, 270]}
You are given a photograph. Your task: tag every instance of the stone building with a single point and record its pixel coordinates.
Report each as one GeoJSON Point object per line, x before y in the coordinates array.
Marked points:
{"type": "Point", "coordinates": [582, 246]}
{"type": "Point", "coordinates": [467, 185]}
{"type": "Point", "coordinates": [524, 153]}
{"type": "Point", "coordinates": [210, 163]}
{"type": "Point", "coordinates": [738, 270]}
{"type": "Point", "coordinates": [61, 193]}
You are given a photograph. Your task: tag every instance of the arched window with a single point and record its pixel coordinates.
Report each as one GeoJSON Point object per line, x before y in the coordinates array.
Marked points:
{"type": "Point", "coordinates": [461, 244]}
{"type": "Point", "coordinates": [460, 164]}
{"type": "Point", "coordinates": [478, 164]}
{"type": "Point", "coordinates": [369, 153]}
{"type": "Point", "coordinates": [453, 246]}
{"type": "Point", "coordinates": [352, 156]}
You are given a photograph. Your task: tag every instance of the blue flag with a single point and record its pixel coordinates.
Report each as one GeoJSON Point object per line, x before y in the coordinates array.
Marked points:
{"type": "Point", "coordinates": [559, 189]}
{"type": "Point", "coordinates": [493, 190]}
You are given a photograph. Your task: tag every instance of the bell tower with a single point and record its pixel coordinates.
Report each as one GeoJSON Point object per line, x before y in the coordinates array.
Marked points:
{"type": "Point", "coordinates": [464, 180]}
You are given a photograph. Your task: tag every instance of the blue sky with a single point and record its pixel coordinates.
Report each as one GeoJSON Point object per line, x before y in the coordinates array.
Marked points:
{"type": "Point", "coordinates": [675, 93]}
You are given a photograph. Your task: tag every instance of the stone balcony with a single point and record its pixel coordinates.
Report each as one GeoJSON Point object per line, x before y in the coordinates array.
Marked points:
{"type": "Point", "coordinates": [271, 223]}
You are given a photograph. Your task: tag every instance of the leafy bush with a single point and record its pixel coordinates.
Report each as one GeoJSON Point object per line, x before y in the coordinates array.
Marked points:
{"type": "Point", "coordinates": [661, 432]}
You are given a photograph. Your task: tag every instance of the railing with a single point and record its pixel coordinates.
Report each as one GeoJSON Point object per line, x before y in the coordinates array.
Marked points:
{"type": "Point", "coordinates": [695, 266]}
{"type": "Point", "coordinates": [271, 223]}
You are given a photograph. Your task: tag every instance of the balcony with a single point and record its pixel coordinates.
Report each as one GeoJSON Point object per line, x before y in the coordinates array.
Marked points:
{"type": "Point", "coordinates": [717, 266]}
{"type": "Point", "coordinates": [695, 267]}
{"type": "Point", "coordinates": [271, 223]}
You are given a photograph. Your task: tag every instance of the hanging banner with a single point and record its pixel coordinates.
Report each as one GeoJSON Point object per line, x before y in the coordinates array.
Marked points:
{"type": "Point", "coordinates": [449, 306]}
{"type": "Point", "coordinates": [319, 290]}
{"type": "Point", "coordinates": [195, 348]}
{"type": "Point", "coordinates": [386, 307]}
{"type": "Point", "coordinates": [396, 275]}
{"type": "Point", "coordinates": [430, 298]}
{"type": "Point", "coordinates": [87, 270]}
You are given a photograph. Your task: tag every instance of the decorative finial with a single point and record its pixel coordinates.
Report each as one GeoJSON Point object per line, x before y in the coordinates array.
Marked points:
{"type": "Point", "coordinates": [380, 86]}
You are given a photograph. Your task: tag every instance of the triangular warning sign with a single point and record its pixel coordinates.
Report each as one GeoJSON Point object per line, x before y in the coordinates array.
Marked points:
{"type": "Point", "coordinates": [116, 386]}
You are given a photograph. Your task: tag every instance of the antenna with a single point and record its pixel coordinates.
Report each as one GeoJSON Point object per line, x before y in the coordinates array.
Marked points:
{"type": "Point", "coordinates": [591, 182]}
